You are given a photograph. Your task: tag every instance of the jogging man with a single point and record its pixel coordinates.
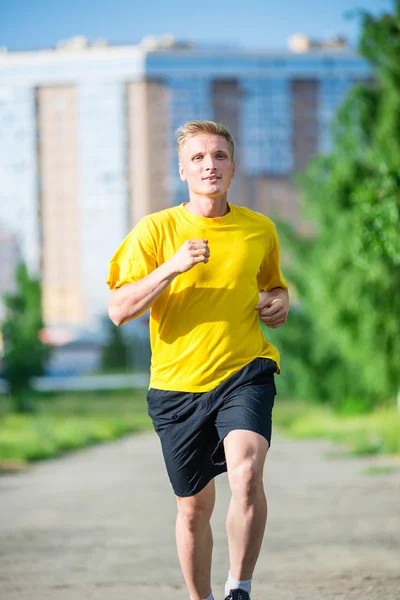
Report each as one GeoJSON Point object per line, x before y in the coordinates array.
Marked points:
{"type": "Point", "coordinates": [208, 271]}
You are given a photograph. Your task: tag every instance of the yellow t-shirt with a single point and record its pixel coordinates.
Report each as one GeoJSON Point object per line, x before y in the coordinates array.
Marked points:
{"type": "Point", "coordinates": [204, 326]}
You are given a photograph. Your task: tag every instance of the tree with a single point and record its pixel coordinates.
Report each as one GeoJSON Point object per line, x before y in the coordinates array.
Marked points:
{"type": "Point", "coordinates": [115, 351]}
{"type": "Point", "coordinates": [348, 274]}
{"type": "Point", "coordinates": [25, 355]}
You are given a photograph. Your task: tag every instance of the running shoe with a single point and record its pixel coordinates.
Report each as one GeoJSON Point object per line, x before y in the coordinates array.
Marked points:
{"type": "Point", "coordinates": [238, 595]}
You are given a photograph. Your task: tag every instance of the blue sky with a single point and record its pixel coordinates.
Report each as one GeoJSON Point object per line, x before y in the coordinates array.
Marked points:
{"type": "Point", "coordinates": [35, 24]}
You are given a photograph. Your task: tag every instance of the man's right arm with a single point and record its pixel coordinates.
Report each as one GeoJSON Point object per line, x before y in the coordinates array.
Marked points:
{"type": "Point", "coordinates": [133, 299]}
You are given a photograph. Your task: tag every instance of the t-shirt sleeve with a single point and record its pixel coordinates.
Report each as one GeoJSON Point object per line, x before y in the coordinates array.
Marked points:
{"type": "Point", "coordinates": [134, 259]}
{"type": "Point", "coordinates": [270, 275]}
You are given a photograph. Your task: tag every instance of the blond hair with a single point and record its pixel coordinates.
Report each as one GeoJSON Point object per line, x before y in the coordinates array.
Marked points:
{"type": "Point", "coordinates": [192, 128]}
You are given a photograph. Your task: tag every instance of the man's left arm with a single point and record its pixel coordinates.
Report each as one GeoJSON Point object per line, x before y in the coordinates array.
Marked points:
{"type": "Point", "coordinates": [273, 307]}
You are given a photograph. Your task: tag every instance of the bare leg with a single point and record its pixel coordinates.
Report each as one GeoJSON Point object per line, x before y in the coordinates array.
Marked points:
{"type": "Point", "coordinates": [194, 540]}
{"type": "Point", "coordinates": [247, 515]}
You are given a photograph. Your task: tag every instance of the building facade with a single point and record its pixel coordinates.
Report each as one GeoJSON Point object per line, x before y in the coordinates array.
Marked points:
{"type": "Point", "coordinates": [10, 255]}
{"type": "Point", "coordinates": [87, 145]}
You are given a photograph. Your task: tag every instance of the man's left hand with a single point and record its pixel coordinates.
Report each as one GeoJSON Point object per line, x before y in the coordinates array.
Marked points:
{"type": "Point", "coordinates": [273, 307]}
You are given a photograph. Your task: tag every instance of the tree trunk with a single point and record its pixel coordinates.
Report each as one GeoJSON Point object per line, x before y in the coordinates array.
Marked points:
{"type": "Point", "coordinates": [23, 401]}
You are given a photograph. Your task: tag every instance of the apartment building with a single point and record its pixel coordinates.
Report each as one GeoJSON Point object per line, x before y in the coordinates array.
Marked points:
{"type": "Point", "coordinates": [87, 144]}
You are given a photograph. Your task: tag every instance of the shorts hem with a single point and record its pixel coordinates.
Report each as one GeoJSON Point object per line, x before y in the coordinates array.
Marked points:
{"type": "Point", "coordinates": [201, 486]}
{"type": "Point", "coordinates": [238, 429]}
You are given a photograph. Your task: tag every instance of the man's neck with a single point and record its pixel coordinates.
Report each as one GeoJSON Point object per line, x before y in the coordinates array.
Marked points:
{"type": "Point", "coordinates": [202, 206]}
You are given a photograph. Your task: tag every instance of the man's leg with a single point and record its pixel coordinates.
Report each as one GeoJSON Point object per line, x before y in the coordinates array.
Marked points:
{"type": "Point", "coordinates": [194, 540]}
{"type": "Point", "coordinates": [247, 515]}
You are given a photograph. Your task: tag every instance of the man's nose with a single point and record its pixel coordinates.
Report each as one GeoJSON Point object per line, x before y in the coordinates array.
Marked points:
{"type": "Point", "coordinates": [210, 166]}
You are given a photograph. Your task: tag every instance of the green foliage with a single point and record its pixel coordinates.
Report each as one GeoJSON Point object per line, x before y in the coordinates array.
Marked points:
{"type": "Point", "coordinates": [347, 274]}
{"type": "Point", "coordinates": [380, 43]}
{"type": "Point", "coordinates": [25, 355]}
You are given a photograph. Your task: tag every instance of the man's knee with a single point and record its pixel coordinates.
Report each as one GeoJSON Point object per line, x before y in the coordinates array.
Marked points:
{"type": "Point", "coordinates": [195, 511]}
{"type": "Point", "coordinates": [246, 480]}
{"type": "Point", "coordinates": [245, 452]}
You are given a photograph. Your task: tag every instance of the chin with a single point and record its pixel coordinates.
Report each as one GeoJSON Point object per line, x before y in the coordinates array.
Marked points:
{"type": "Point", "coordinates": [212, 191]}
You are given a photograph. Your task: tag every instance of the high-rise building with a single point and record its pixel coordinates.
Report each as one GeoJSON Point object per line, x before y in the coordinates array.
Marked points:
{"type": "Point", "coordinates": [87, 144]}
{"type": "Point", "coordinates": [10, 255]}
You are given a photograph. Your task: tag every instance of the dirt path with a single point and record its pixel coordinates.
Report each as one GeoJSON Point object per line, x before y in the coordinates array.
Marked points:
{"type": "Point", "coordinates": [98, 525]}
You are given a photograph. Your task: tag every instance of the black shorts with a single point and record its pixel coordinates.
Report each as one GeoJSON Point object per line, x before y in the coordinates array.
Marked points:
{"type": "Point", "coordinates": [192, 426]}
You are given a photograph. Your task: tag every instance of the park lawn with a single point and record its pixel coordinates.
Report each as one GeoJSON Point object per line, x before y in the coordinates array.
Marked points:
{"type": "Point", "coordinates": [377, 432]}
{"type": "Point", "coordinates": [68, 421]}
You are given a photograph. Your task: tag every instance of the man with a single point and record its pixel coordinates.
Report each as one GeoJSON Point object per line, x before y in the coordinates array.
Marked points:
{"type": "Point", "coordinates": [208, 271]}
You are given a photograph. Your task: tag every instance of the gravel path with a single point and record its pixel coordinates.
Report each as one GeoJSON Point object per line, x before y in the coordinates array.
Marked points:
{"type": "Point", "coordinates": [99, 524]}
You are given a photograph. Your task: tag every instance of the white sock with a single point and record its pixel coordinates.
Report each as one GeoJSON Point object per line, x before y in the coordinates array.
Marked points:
{"type": "Point", "coordinates": [235, 584]}
{"type": "Point", "coordinates": [210, 597]}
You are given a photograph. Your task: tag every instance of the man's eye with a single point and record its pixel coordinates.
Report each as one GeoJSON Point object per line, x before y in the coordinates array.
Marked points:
{"type": "Point", "coordinates": [221, 155]}
{"type": "Point", "coordinates": [198, 157]}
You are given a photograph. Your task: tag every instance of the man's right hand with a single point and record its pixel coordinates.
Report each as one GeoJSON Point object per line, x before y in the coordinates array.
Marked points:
{"type": "Point", "coordinates": [190, 254]}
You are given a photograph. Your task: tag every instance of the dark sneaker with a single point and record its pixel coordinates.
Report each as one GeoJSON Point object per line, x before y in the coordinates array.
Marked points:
{"type": "Point", "coordinates": [238, 595]}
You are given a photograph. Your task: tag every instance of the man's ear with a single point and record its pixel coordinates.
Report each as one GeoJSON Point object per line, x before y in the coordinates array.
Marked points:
{"type": "Point", "coordinates": [182, 174]}
{"type": "Point", "coordinates": [234, 170]}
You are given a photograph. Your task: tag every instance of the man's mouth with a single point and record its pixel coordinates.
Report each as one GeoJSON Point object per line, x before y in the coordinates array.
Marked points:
{"type": "Point", "coordinates": [211, 178]}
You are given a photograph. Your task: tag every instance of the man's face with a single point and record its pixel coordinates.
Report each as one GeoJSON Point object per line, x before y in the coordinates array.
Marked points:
{"type": "Point", "coordinates": [206, 164]}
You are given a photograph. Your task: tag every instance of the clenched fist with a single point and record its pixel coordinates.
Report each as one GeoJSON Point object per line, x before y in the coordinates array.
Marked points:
{"type": "Point", "coordinates": [190, 254]}
{"type": "Point", "coordinates": [273, 307]}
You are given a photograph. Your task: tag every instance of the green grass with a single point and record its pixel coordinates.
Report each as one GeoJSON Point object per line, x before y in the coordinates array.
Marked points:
{"type": "Point", "coordinates": [377, 432]}
{"type": "Point", "coordinates": [379, 470]}
{"type": "Point", "coordinates": [70, 421]}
